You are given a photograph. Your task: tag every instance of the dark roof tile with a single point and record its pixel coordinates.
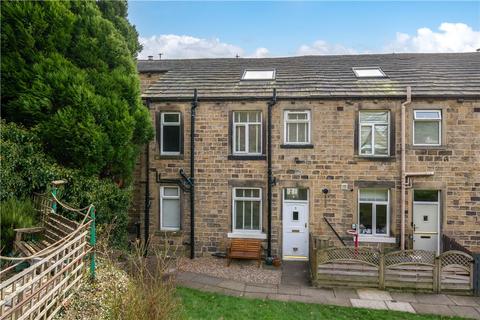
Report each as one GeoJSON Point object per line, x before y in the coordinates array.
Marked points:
{"type": "Point", "coordinates": [429, 75]}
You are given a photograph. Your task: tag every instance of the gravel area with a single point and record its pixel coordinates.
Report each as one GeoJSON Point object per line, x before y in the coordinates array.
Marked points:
{"type": "Point", "coordinates": [240, 270]}
{"type": "Point", "coordinates": [90, 300]}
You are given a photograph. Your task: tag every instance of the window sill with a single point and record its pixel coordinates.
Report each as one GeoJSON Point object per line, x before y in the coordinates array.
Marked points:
{"type": "Point", "coordinates": [296, 146]}
{"type": "Point", "coordinates": [373, 158]}
{"type": "Point", "coordinates": [419, 147]}
{"type": "Point", "coordinates": [169, 157]}
{"type": "Point", "coordinates": [169, 233]}
{"type": "Point", "coordinates": [247, 235]}
{"type": "Point", "coordinates": [247, 157]}
{"type": "Point", "coordinates": [379, 239]}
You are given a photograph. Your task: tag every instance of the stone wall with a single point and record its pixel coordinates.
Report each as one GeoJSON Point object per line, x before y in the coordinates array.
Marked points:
{"type": "Point", "coordinates": [329, 163]}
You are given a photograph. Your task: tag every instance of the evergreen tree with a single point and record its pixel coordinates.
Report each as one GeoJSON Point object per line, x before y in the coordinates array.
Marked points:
{"type": "Point", "coordinates": [69, 74]}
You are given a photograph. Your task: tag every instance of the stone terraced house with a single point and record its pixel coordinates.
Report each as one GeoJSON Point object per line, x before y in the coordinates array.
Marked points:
{"type": "Point", "coordinates": [284, 147]}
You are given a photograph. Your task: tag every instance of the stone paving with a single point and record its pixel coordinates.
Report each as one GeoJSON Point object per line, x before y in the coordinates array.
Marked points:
{"type": "Point", "coordinates": [296, 288]}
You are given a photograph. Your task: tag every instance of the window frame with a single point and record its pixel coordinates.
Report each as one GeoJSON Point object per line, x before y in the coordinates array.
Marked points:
{"type": "Point", "coordinates": [358, 76]}
{"type": "Point", "coordinates": [234, 209]}
{"type": "Point", "coordinates": [374, 214]}
{"type": "Point", "coordinates": [372, 125]}
{"type": "Point", "coordinates": [286, 121]}
{"type": "Point", "coordinates": [170, 124]}
{"type": "Point", "coordinates": [273, 70]}
{"type": "Point", "coordinates": [439, 120]}
{"type": "Point", "coordinates": [162, 197]}
{"type": "Point", "coordinates": [247, 134]}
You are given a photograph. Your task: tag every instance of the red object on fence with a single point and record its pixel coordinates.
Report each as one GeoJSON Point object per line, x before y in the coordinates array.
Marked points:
{"type": "Point", "coordinates": [355, 234]}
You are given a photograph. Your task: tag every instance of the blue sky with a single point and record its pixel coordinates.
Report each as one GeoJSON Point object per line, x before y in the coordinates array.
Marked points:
{"type": "Point", "coordinates": [196, 29]}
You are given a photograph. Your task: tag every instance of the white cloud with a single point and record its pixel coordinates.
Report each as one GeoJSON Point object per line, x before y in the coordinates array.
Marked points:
{"type": "Point", "coordinates": [183, 47]}
{"type": "Point", "coordinates": [260, 53]}
{"type": "Point", "coordinates": [320, 47]}
{"type": "Point", "coordinates": [451, 37]}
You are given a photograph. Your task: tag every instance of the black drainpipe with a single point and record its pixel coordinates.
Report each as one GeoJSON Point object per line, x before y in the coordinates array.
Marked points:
{"type": "Point", "coordinates": [147, 191]}
{"type": "Point", "coordinates": [192, 173]}
{"type": "Point", "coordinates": [271, 180]}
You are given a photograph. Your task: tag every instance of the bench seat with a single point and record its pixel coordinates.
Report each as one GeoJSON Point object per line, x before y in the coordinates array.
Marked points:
{"type": "Point", "coordinates": [250, 249]}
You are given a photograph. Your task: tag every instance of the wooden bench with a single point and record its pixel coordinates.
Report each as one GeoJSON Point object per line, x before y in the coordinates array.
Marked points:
{"type": "Point", "coordinates": [250, 249]}
{"type": "Point", "coordinates": [29, 241]}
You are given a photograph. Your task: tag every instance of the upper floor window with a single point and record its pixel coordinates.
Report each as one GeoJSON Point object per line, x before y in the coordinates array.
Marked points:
{"type": "Point", "coordinates": [170, 129]}
{"type": "Point", "coordinates": [247, 209]}
{"type": "Point", "coordinates": [427, 127]}
{"type": "Point", "coordinates": [373, 217]}
{"type": "Point", "coordinates": [268, 74]}
{"type": "Point", "coordinates": [247, 132]}
{"type": "Point", "coordinates": [374, 133]}
{"type": "Point", "coordinates": [297, 127]}
{"type": "Point", "coordinates": [170, 208]}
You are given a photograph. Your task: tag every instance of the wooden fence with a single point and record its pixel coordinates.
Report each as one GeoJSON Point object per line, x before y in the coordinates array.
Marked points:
{"type": "Point", "coordinates": [416, 270]}
{"type": "Point", "coordinates": [38, 291]}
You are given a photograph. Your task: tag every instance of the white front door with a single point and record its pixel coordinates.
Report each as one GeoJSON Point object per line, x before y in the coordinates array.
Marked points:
{"type": "Point", "coordinates": [426, 221]}
{"type": "Point", "coordinates": [295, 230]}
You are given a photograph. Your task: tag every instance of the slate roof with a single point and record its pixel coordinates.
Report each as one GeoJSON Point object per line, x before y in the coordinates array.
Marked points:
{"type": "Point", "coordinates": [430, 75]}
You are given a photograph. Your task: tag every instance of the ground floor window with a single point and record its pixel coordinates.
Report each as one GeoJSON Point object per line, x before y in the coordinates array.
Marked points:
{"type": "Point", "coordinates": [247, 209]}
{"type": "Point", "coordinates": [373, 212]}
{"type": "Point", "coordinates": [170, 208]}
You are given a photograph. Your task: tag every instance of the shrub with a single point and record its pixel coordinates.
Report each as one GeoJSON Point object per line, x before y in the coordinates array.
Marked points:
{"type": "Point", "coordinates": [150, 293]}
{"type": "Point", "coordinates": [25, 168]}
{"type": "Point", "coordinates": [14, 213]}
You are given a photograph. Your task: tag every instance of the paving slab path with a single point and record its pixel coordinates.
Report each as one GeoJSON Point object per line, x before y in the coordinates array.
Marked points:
{"type": "Point", "coordinates": [295, 287]}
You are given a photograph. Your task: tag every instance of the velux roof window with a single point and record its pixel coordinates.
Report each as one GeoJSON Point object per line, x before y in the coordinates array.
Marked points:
{"type": "Point", "coordinates": [369, 72]}
{"type": "Point", "coordinates": [252, 74]}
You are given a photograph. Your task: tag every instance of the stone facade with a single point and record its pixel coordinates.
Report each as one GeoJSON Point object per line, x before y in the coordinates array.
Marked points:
{"type": "Point", "coordinates": [331, 162]}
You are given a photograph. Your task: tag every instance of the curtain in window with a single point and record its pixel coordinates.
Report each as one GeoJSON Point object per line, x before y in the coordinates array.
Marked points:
{"type": "Point", "coordinates": [427, 132]}
{"type": "Point", "coordinates": [171, 213]}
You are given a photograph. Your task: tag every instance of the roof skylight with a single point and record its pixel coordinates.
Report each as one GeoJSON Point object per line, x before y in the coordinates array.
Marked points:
{"type": "Point", "coordinates": [374, 72]}
{"type": "Point", "coordinates": [258, 74]}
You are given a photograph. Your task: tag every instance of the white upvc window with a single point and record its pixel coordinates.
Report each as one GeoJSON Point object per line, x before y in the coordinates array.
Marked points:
{"type": "Point", "coordinates": [170, 133]}
{"type": "Point", "coordinates": [374, 133]}
{"type": "Point", "coordinates": [427, 127]}
{"type": "Point", "coordinates": [247, 132]}
{"type": "Point", "coordinates": [247, 210]}
{"type": "Point", "coordinates": [297, 127]}
{"type": "Point", "coordinates": [170, 208]}
{"type": "Point", "coordinates": [373, 212]}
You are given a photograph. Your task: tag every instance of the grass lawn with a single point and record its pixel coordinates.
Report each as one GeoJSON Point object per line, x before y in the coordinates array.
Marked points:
{"type": "Point", "coordinates": [203, 305]}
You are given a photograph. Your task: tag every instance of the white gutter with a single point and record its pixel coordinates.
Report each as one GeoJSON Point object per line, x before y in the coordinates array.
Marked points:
{"type": "Point", "coordinates": [406, 175]}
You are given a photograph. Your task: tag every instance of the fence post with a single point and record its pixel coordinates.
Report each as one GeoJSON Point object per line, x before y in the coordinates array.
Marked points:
{"type": "Point", "coordinates": [437, 278]}
{"type": "Point", "coordinates": [54, 202]}
{"type": "Point", "coordinates": [93, 240]}
{"type": "Point", "coordinates": [381, 270]}
{"type": "Point", "coordinates": [476, 274]}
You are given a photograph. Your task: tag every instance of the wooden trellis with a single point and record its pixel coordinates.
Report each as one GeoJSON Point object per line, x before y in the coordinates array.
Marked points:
{"type": "Point", "coordinates": [452, 271]}
{"type": "Point", "coordinates": [37, 292]}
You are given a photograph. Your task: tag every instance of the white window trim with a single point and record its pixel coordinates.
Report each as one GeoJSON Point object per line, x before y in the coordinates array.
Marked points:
{"type": "Point", "coordinates": [274, 74]}
{"type": "Point", "coordinates": [428, 119]}
{"type": "Point", "coordinates": [234, 213]}
{"type": "Point", "coordinates": [374, 234]}
{"type": "Point", "coordinates": [372, 126]}
{"type": "Point", "coordinates": [246, 235]}
{"type": "Point", "coordinates": [162, 196]}
{"type": "Point", "coordinates": [379, 239]}
{"type": "Point", "coordinates": [169, 124]}
{"type": "Point", "coordinates": [247, 142]}
{"type": "Point", "coordinates": [294, 201]}
{"type": "Point", "coordinates": [354, 69]}
{"type": "Point", "coordinates": [286, 121]}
